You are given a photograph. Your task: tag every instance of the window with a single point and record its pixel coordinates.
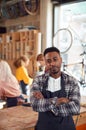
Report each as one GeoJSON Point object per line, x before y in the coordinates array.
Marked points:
{"type": "Point", "coordinates": [72, 17]}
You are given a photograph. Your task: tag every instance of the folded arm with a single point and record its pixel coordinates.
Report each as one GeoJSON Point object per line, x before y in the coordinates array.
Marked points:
{"type": "Point", "coordinates": [59, 106]}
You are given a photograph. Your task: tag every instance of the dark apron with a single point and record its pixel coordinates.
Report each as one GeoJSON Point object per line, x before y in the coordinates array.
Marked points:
{"type": "Point", "coordinates": [48, 121]}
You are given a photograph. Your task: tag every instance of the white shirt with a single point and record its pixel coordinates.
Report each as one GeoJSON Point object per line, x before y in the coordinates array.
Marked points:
{"type": "Point", "coordinates": [54, 84]}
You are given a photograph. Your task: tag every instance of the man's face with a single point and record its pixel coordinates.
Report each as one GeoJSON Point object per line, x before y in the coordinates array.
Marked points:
{"type": "Point", "coordinates": [53, 63]}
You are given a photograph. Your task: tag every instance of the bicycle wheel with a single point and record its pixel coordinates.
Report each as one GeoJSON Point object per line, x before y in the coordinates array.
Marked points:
{"type": "Point", "coordinates": [63, 39]}
{"type": "Point", "coordinates": [31, 6]}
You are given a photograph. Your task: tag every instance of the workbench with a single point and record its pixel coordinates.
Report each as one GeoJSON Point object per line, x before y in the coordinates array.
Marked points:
{"type": "Point", "coordinates": [17, 118]}
{"type": "Point", "coordinates": [24, 118]}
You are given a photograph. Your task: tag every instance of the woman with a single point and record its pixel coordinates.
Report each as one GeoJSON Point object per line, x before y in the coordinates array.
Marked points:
{"type": "Point", "coordinates": [41, 68]}
{"type": "Point", "coordinates": [41, 64]}
{"type": "Point", "coordinates": [22, 76]}
{"type": "Point", "coordinates": [9, 87]}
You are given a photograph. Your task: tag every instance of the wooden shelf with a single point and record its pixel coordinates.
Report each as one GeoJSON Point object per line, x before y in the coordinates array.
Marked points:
{"type": "Point", "coordinates": [18, 42]}
{"type": "Point", "coordinates": [15, 44]}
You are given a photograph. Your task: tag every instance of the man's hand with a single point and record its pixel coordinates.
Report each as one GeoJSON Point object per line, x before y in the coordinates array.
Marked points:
{"type": "Point", "coordinates": [38, 95]}
{"type": "Point", "coordinates": [62, 100]}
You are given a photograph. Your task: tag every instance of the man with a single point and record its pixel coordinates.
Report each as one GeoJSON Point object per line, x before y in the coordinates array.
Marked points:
{"type": "Point", "coordinates": [55, 95]}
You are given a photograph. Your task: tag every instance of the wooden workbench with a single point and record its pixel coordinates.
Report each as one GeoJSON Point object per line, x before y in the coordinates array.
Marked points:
{"type": "Point", "coordinates": [24, 118]}
{"type": "Point", "coordinates": [17, 118]}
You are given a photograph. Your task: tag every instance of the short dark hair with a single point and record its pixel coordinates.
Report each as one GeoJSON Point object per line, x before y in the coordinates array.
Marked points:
{"type": "Point", "coordinates": [51, 49]}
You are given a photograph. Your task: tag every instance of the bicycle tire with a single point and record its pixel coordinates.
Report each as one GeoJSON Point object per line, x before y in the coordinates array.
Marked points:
{"type": "Point", "coordinates": [12, 11]}
{"type": "Point", "coordinates": [63, 39]}
{"type": "Point", "coordinates": [31, 6]}
{"type": "Point", "coordinates": [5, 13]}
{"type": "Point", "coordinates": [22, 11]}
{"type": "Point", "coordinates": [0, 13]}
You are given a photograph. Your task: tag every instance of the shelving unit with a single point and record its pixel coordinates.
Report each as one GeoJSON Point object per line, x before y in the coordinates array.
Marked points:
{"type": "Point", "coordinates": [15, 44]}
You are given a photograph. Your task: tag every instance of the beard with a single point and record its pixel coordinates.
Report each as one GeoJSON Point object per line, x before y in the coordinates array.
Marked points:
{"type": "Point", "coordinates": [54, 70]}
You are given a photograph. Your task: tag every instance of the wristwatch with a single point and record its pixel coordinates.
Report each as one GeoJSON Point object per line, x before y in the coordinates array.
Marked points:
{"type": "Point", "coordinates": [53, 100]}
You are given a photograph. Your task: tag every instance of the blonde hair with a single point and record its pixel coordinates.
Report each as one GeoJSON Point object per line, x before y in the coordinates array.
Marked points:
{"type": "Point", "coordinates": [21, 61]}
{"type": "Point", "coordinates": [40, 57]}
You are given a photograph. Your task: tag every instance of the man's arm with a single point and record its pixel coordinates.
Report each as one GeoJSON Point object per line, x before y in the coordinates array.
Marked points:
{"type": "Point", "coordinates": [68, 106]}
{"type": "Point", "coordinates": [38, 102]}
{"type": "Point", "coordinates": [59, 106]}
